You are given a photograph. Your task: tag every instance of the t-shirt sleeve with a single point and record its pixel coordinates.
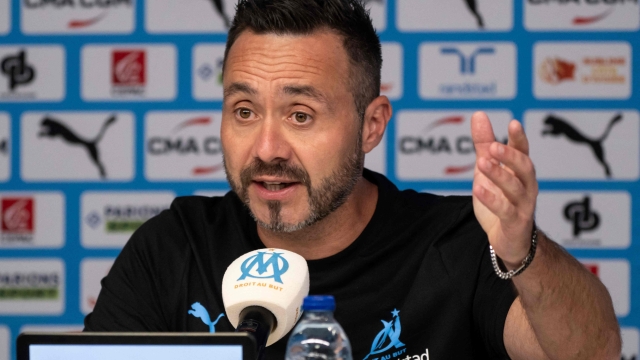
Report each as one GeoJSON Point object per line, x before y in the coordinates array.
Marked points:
{"type": "Point", "coordinates": [491, 304]}
{"type": "Point", "coordinates": [136, 289]}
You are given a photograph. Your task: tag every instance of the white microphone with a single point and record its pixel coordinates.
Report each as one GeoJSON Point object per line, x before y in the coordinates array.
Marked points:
{"type": "Point", "coordinates": [272, 279]}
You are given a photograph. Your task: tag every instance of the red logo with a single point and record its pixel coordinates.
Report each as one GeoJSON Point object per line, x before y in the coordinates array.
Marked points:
{"type": "Point", "coordinates": [557, 70]}
{"type": "Point", "coordinates": [128, 67]}
{"type": "Point", "coordinates": [17, 215]}
{"type": "Point", "coordinates": [593, 268]}
{"type": "Point", "coordinates": [586, 20]}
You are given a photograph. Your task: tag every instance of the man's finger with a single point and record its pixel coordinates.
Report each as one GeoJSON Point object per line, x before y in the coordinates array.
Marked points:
{"type": "Point", "coordinates": [517, 137]}
{"type": "Point", "coordinates": [481, 133]}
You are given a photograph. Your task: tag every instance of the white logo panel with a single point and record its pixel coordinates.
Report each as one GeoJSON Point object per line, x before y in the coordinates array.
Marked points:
{"type": "Point", "coordinates": [614, 274]}
{"type": "Point", "coordinates": [129, 72]}
{"type": "Point", "coordinates": [436, 15]}
{"type": "Point", "coordinates": [630, 343]}
{"type": "Point", "coordinates": [32, 220]}
{"type": "Point", "coordinates": [595, 144]}
{"type": "Point", "coordinates": [5, 147]}
{"type": "Point", "coordinates": [587, 70]}
{"type": "Point", "coordinates": [110, 218]}
{"type": "Point", "coordinates": [392, 71]}
{"type": "Point", "coordinates": [5, 343]}
{"type": "Point", "coordinates": [183, 146]}
{"type": "Point", "coordinates": [467, 71]}
{"type": "Point", "coordinates": [207, 71]}
{"type": "Point", "coordinates": [52, 328]}
{"type": "Point", "coordinates": [32, 287]}
{"type": "Point", "coordinates": [5, 20]}
{"type": "Point", "coordinates": [438, 145]}
{"type": "Point", "coordinates": [32, 73]}
{"type": "Point", "coordinates": [582, 15]}
{"type": "Point", "coordinates": [91, 273]}
{"type": "Point", "coordinates": [376, 160]}
{"type": "Point", "coordinates": [77, 17]}
{"type": "Point", "coordinates": [188, 16]}
{"type": "Point", "coordinates": [586, 220]}
{"type": "Point", "coordinates": [77, 146]}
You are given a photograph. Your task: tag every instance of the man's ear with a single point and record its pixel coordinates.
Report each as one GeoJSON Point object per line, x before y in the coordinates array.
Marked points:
{"type": "Point", "coordinates": [376, 118]}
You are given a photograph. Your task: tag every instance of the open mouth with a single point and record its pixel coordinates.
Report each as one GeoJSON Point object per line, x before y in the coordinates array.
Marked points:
{"type": "Point", "coordinates": [275, 185]}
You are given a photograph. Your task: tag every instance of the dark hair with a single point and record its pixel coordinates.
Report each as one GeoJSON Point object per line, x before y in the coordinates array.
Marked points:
{"type": "Point", "coordinates": [347, 18]}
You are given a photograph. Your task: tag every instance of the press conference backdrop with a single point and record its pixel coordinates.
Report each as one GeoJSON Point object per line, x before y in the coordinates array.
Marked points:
{"type": "Point", "coordinates": [111, 108]}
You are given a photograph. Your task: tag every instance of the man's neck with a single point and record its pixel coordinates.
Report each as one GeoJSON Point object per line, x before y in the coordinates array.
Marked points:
{"type": "Point", "coordinates": [332, 234]}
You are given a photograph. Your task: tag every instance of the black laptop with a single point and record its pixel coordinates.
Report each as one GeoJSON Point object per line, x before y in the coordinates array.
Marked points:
{"type": "Point", "coordinates": [135, 346]}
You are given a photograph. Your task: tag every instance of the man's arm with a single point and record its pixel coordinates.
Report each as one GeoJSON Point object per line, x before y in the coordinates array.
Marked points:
{"type": "Point", "coordinates": [562, 311]}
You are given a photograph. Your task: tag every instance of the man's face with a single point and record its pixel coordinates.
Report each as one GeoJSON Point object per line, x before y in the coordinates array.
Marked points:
{"type": "Point", "coordinates": [290, 133]}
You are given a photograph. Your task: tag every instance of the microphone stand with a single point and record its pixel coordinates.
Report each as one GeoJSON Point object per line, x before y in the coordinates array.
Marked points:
{"type": "Point", "coordinates": [258, 322]}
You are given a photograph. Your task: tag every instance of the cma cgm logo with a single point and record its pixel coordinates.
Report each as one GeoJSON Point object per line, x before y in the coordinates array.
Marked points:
{"type": "Point", "coordinates": [582, 20]}
{"type": "Point", "coordinates": [188, 145]}
{"type": "Point", "coordinates": [89, 5]}
{"type": "Point", "coordinates": [461, 145]}
{"type": "Point", "coordinates": [257, 266]}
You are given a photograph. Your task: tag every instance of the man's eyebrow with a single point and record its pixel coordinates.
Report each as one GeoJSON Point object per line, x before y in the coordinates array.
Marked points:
{"type": "Point", "coordinates": [305, 90]}
{"type": "Point", "coordinates": [239, 87]}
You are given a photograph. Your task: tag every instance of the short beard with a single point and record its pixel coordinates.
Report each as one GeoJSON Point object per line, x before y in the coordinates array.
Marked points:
{"type": "Point", "coordinates": [333, 191]}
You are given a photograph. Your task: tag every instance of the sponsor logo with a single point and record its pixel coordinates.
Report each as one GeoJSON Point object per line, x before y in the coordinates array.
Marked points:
{"type": "Point", "coordinates": [388, 340]}
{"type": "Point", "coordinates": [440, 142]}
{"type": "Point", "coordinates": [77, 16]}
{"type": "Point", "coordinates": [614, 274]}
{"type": "Point", "coordinates": [557, 126]}
{"type": "Point", "coordinates": [77, 146]}
{"type": "Point", "coordinates": [17, 219]}
{"type": "Point", "coordinates": [256, 267]}
{"type": "Point", "coordinates": [129, 72]}
{"type": "Point", "coordinates": [577, 15]}
{"type": "Point", "coordinates": [189, 141]}
{"type": "Point", "coordinates": [109, 218]}
{"type": "Point", "coordinates": [5, 147]}
{"type": "Point", "coordinates": [17, 70]}
{"type": "Point", "coordinates": [455, 15]}
{"type": "Point", "coordinates": [207, 71]}
{"type": "Point", "coordinates": [92, 271]}
{"type": "Point", "coordinates": [582, 70]}
{"type": "Point", "coordinates": [597, 220]}
{"type": "Point", "coordinates": [5, 22]}
{"type": "Point", "coordinates": [32, 73]}
{"type": "Point", "coordinates": [630, 343]}
{"type": "Point", "coordinates": [467, 71]}
{"type": "Point", "coordinates": [597, 144]}
{"type": "Point", "coordinates": [53, 128]}
{"type": "Point", "coordinates": [32, 286]}
{"type": "Point", "coordinates": [201, 312]}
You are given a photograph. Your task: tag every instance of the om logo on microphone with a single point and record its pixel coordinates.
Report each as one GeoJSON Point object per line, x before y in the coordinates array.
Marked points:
{"type": "Point", "coordinates": [256, 266]}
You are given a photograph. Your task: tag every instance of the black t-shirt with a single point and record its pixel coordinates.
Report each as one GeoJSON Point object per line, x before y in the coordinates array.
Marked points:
{"type": "Point", "coordinates": [418, 280]}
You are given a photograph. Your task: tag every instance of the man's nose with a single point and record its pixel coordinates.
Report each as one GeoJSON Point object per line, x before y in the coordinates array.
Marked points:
{"type": "Point", "coordinates": [271, 144]}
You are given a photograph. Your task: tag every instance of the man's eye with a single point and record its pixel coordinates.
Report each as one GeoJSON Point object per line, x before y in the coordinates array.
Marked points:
{"type": "Point", "coordinates": [301, 117]}
{"type": "Point", "coordinates": [244, 113]}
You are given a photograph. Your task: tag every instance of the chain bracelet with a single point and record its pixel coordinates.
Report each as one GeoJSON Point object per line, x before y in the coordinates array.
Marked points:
{"type": "Point", "coordinates": [525, 263]}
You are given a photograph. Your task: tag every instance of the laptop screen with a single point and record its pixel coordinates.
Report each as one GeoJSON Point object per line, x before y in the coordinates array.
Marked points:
{"type": "Point", "coordinates": [135, 346]}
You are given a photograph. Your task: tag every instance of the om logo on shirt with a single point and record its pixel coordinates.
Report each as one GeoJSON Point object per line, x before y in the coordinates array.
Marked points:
{"type": "Point", "coordinates": [388, 337]}
{"type": "Point", "coordinates": [256, 267]}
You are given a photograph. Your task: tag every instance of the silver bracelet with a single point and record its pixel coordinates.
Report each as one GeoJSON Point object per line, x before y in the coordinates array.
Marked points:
{"type": "Point", "coordinates": [525, 263]}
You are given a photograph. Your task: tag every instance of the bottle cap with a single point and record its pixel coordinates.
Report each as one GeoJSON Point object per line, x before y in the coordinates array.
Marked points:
{"type": "Point", "coordinates": [319, 302]}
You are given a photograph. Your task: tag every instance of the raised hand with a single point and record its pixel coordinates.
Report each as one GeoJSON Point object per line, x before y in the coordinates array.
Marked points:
{"type": "Point", "coordinates": [504, 189]}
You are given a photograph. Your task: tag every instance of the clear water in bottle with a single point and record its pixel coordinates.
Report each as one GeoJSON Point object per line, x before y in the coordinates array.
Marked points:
{"type": "Point", "coordinates": [318, 335]}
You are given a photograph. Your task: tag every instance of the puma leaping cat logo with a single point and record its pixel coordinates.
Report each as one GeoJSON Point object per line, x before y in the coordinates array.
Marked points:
{"type": "Point", "coordinates": [51, 128]}
{"type": "Point", "coordinates": [473, 7]}
{"type": "Point", "coordinates": [556, 126]}
{"type": "Point", "coordinates": [200, 312]}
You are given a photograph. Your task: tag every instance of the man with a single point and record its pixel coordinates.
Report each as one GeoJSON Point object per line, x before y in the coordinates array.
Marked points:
{"type": "Point", "coordinates": [301, 108]}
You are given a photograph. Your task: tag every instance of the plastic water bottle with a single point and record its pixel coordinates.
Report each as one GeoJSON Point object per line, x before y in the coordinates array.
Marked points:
{"type": "Point", "coordinates": [318, 335]}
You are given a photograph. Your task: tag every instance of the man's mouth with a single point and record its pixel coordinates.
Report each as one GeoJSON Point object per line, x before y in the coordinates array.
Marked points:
{"type": "Point", "coordinates": [275, 185]}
